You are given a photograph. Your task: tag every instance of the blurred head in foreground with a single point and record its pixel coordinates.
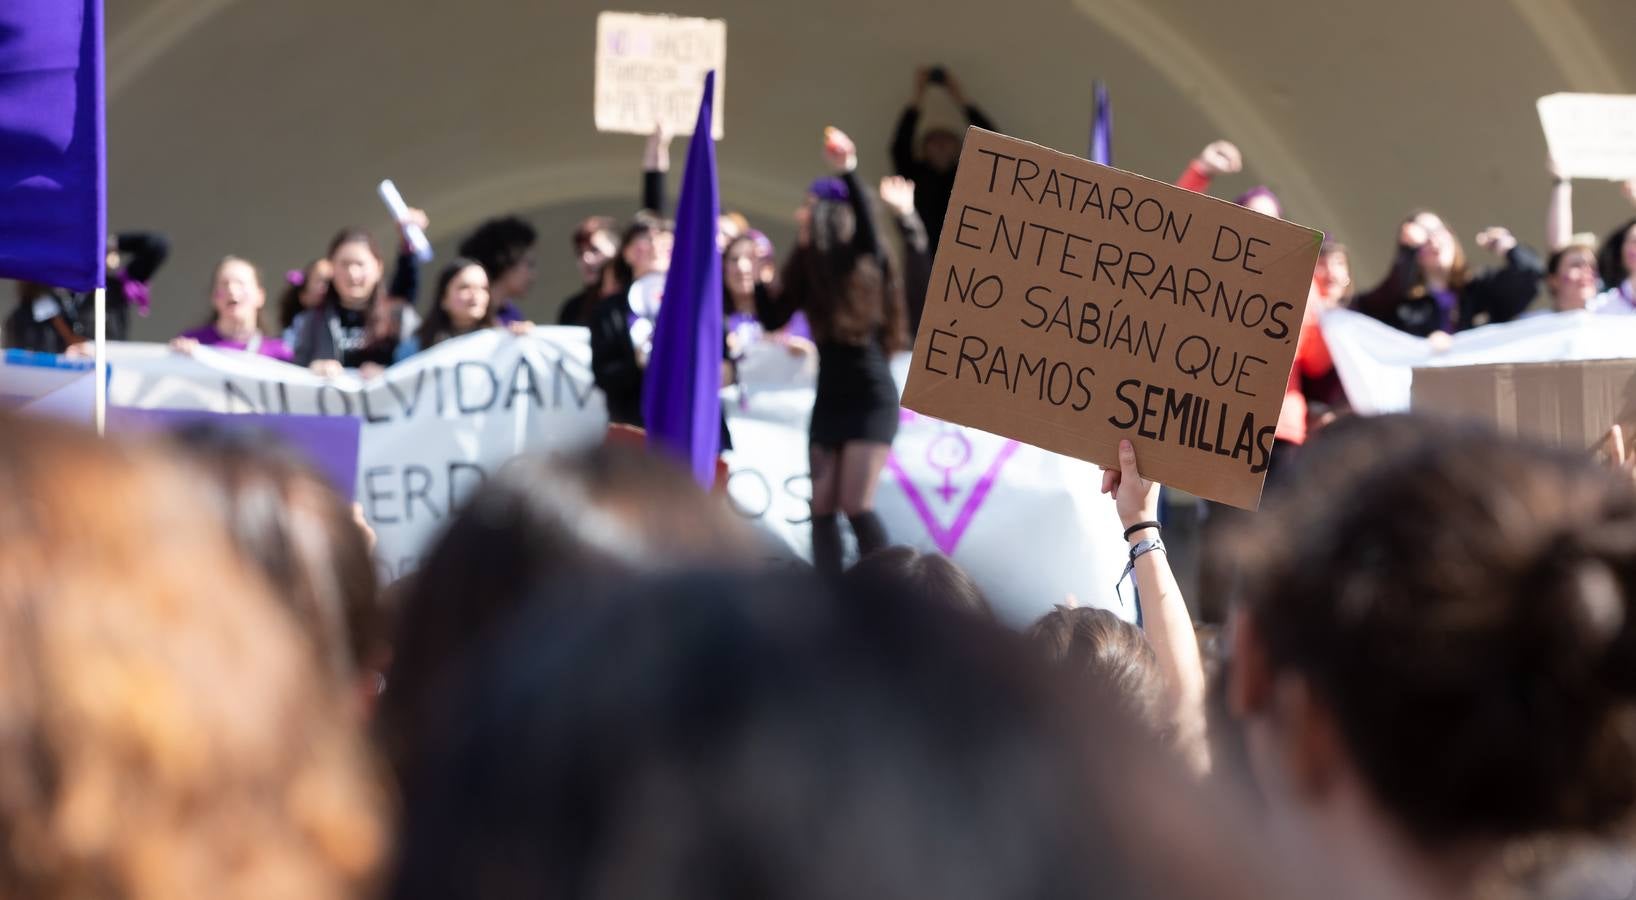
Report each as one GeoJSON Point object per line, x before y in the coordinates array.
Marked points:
{"type": "Point", "coordinates": [1435, 650]}
{"type": "Point", "coordinates": [930, 578]}
{"type": "Point", "coordinates": [287, 520]}
{"type": "Point", "coordinates": [604, 513]}
{"type": "Point", "coordinates": [164, 731]}
{"type": "Point", "coordinates": [1107, 656]}
{"type": "Point", "coordinates": [707, 736]}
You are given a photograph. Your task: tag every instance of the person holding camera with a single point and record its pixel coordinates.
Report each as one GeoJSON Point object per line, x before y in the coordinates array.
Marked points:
{"type": "Point", "coordinates": [931, 165]}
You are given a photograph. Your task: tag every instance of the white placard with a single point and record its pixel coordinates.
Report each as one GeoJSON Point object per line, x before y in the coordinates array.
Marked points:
{"type": "Point", "coordinates": [650, 70]}
{"type": "Point", "coordinates": [1591, 135]}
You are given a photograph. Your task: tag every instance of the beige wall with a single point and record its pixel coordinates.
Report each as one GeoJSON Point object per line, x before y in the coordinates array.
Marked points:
{"type": "Point", "coordinates": [260, 126]}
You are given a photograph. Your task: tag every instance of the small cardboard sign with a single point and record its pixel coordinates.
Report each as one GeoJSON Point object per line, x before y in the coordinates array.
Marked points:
{"type": "Point", "coordinates": [650, 71]}
{"type": "Point", "coordinates": [1591, 135]}
{"type": "Point", "coordinates": [1072, 305]}
{"type": "Point", "coordinates": [1572, 405]}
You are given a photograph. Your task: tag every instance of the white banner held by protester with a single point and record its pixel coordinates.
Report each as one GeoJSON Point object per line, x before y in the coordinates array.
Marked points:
{"type": "Point", "coordinates": [650, 71]}
{"type": "Point", "coordinates": [1591, 135]}
{"type": "Point", "coordinates": [1027, 524]}
{"type": "Point", "coordinates": [1376, 362]}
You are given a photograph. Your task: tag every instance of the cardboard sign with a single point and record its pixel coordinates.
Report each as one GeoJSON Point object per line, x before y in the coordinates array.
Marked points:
{"type": "Point", "coordinates": [1591, 135]}
{"type": "Point", "coordinates": [1571, 405]}
{"type": "Point", "coordinates": [1072, 305]}
{"type": "Point", "coordinates": [650, 71]}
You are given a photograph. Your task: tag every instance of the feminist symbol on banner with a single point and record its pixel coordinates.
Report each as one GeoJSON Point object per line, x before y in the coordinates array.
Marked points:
{"type": "Point", "coordinates": [949, 453]}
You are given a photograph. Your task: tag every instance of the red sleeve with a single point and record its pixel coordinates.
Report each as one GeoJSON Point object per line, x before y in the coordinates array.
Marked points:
{"type": "Point", "coordinates": [1311, 352]}
{"type": "Point", "coordinates": [1195, 179]}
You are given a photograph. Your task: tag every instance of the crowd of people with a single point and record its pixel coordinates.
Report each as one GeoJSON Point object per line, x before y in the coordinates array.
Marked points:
{"type": "Point", "coordinates": [596, 685]}
{"type": "Point", "coordinates": [844, 299]}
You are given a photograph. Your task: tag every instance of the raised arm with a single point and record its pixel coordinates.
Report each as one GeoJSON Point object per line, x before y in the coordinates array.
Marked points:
{"type": "Point", "coordinates": [1165, 619]}
{"type": "Point", "coordinates": [1506, 290]}
{"type": "Point", "coordinates": [903, 139]}
{"type": "Point", "coordinates": [842, 156]}
{"type": "Point", "coordinates": [974, 116]}
{"type": "Point", "coordinates": [1217, 158]}
{"type": "Point", "coordinates": [1381, 300]}
{"type": "Point", "coordinates": [405, 283]}
{"type": "Point", "coordinates": [899, 196]}
{"type": "Point", "coordinates": [1559, 211]}
{"type": "Point", "coordinates": [655, 164]}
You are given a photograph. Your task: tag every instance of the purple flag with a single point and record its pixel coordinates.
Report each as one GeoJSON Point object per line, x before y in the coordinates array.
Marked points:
{"type": "Point", "coordinates": [53, 185]}
{"type": "Point", "coordinates": [681, 392]}
{"type": "Point", "coordinates": [1102, 126]}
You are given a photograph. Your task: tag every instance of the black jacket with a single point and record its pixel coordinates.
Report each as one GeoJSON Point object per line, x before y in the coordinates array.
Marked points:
{"type": "Point", "coordinates": [614, 365]}
{"type": "Point", "coordinates": [76, 312]}
{"type": "Point", "coordinates": [613, 359]}
{"type": "Point", "coordinates": [932, 188]}
{"type": "Point", "coordinates": [1499, 294]}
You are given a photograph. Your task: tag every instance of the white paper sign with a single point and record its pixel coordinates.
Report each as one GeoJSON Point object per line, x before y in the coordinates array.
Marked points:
{"type": "Point", "coordinates": [1591, 135]}
{"type": "Point", "coordinates": [650, 71]}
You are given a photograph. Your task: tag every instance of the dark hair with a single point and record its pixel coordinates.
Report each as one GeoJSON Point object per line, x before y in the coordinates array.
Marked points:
{"type": "Point", "coordinates": [438, 327]}
{"type": "Point", "coordinates": [1554, 262]}
{"type": "Point", "coordinates": [930, 578]}
{"type": "Point", "coordinates": [300, 534]}
{"type": "Point", "coordinates": [1461, 605]}
{"type": "Point", "coordinates": [1459, 273]}
{"type": "Point", "coordinates": [498, 244]}
{"type": "Point", "coordinates": [732, 737]}
{"type": "Point", "coordinates": [643, 224]}
{"type": "Point", "coordinates": [1611, 258]}
{"type": "Point", "coordinates": [383, 327]}
{"type": "Point", "coordinates": [590, 228]}
{"type": "Point", "coordinates": [1108, 656]}
{"type": "Point", "coordinates": [604, 512]}
{"type": "Point", "coordinates": [848, 295]}
{"type": "Point", "coordinates": [728, 307]}
{"type": "Point", "coordinates": [289, 302]}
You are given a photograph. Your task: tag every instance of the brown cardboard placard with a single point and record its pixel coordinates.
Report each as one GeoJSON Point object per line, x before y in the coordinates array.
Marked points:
{"type": "Point", "coordinates": [1571, 404]}
{"type": "Point", "coordinates": [1072, 305]}
{"type": "Point", "coordinates": [650, 71]}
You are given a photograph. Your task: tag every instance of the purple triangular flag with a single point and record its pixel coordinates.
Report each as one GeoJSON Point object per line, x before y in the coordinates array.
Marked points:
{"type": "Point", "coordinates": [1102, 126]}
{"type": "Point", "coordinates": [681, 391]}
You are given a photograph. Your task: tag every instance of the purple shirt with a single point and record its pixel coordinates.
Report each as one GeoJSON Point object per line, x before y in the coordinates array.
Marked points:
{"type": "Point", "coordinates": [1448, 310]}
{"type": "Point", "coordinates": [208, 336]}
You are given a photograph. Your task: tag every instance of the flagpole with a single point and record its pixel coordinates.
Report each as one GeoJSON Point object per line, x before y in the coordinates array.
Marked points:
{"type": "Point", "coordinates": [101, 366]}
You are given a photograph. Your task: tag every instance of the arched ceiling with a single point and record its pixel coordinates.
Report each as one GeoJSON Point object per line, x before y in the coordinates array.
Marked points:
{"type": "Point", "coordinates": [259, 128]}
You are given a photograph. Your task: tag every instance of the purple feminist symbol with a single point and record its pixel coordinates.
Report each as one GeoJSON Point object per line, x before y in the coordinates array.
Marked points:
{"type": "Point", "coordinates": [949, 451]}
{"type": "Point", "coordinates": [948, 454]}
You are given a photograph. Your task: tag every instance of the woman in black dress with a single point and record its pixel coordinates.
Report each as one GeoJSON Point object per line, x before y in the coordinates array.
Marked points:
{"type": "Point", "coordinates": [840, 276]}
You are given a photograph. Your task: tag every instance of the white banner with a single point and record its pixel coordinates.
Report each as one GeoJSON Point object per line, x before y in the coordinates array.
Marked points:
{"type": "Point", "coordinates": [1028, 525]}
{"type": "Point", "coordinates": [1376, 362]}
